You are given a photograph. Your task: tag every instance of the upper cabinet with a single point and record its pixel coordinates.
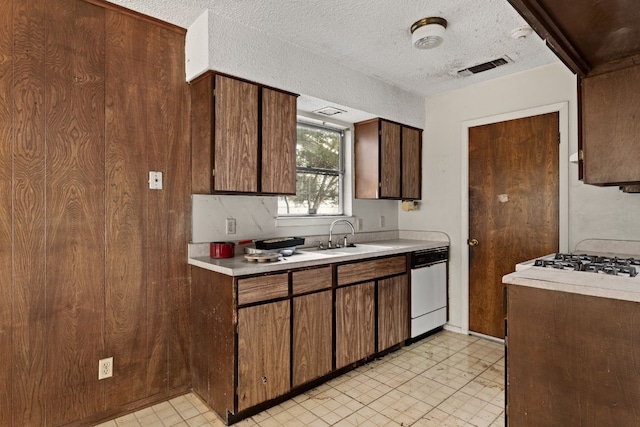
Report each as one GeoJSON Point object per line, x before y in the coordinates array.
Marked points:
{"type": "Point", "coordinates": [610, 111]}
{"type": "Point", "coordinates": [599, 42]}
{"type": "Point", "coordinates": [243, 137]}
{"type": "Point", "coordinates": [388, 159]}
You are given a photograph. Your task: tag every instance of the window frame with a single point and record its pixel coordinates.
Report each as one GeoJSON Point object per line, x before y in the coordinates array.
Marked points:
{"type": "Point", "coordinates": [340, 171]}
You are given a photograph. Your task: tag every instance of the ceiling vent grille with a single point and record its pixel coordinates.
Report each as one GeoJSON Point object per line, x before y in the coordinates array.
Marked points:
{"type": "Point", "coordinates": [486, 66]}
{"type": "Point", "coordinates": [329, 111]}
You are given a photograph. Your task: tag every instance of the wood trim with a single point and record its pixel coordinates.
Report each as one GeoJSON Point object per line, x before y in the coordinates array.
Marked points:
{"type": "Point", "coordinates": [361, 271]}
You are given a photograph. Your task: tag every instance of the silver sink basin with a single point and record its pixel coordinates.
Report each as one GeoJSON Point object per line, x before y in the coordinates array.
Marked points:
{"type": "Point", "coordinates": [347, 250]}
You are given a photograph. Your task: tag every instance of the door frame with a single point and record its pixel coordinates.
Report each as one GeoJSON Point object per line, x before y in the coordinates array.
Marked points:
{"type": "Point", "coordinates": [563, 221]}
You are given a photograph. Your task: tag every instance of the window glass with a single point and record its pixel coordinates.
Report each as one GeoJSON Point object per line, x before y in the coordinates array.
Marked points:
{"type": "Point", "coordinates": [319, 173]}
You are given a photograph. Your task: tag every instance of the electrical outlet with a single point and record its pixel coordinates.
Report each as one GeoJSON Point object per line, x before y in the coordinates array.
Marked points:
{"type": "Point", "coordinates": [359, 225]}
{"type": "Point", "coordinates": [105, 368]}
{"type": "Point", "coordinates": [382, 221]}
{"type": "Point", "coordinates": [230, 226]}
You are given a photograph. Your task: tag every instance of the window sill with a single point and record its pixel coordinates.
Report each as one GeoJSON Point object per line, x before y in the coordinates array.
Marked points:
{"type": "Point", "coordinates": [306, 221]}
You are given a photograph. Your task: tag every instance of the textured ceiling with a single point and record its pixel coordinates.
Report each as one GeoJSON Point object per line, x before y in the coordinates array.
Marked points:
{"type": "Point", "coordinates": [374, 38]}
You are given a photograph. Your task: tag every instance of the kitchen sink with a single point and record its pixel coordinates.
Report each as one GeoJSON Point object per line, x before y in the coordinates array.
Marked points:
{"type": "Point", "coordinates": [304, 255]}
{"type": "Point", "coordinates": [347, 250]}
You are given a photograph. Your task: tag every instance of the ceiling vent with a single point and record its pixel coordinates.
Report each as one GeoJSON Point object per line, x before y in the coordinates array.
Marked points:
{"type": "Point", "coordinates": [329, 111]}
{"type": "Point", "coordinates": [486, 66]}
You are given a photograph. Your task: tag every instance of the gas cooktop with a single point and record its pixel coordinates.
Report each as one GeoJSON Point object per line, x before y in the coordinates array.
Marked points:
{"type": "Point", "coordinates": [611, 265]}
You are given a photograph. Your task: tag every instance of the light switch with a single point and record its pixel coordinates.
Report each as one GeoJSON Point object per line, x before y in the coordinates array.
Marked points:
{"type": "Point", "coordinates": [155, 180]}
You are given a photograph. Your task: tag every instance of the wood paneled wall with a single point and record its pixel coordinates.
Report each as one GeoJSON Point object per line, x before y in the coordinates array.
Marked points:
{"type": "Point", "coordinates": [93, 264]}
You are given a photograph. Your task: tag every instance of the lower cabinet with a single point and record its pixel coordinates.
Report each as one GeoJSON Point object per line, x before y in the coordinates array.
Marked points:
{"type": "Point", "coordinates": [393, 311]}
{"type": "Point", "coordinates": [355, 323]}
{"type": "Point", "coordinates": [257, 338]}
{"type": "Point", "coordinates": [312, 336]}
{"type": "Point", "coordinates": [263, 353]}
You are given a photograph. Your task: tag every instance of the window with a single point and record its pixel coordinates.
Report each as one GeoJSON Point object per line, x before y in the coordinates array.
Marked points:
{"type": "Point", "coordinates": [319, 170]}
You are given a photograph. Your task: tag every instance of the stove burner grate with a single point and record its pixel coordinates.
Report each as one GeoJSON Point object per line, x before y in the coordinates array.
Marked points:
{"type": "Point", "coordinates": [592, 263]}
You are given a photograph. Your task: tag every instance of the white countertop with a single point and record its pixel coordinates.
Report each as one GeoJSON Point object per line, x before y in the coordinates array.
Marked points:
{"type": "Point", "coordinates": [239, 266]}
{"type": "Point", "coordinates": [598, 285]}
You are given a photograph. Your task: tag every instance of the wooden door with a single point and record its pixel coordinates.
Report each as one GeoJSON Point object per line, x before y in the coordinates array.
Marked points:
{"type": "Point", "coordinates": [312, 336]}
{"type": "Point", "coordinates": [235, 136]}
{"type": "Point", "coordinates": [513, 208]}
{"type": "Point", "coordinates": [390, 173]}
{"type": "Point", "coordinates": [263, 353]}
{"type": "Point", "coordinates": [393, 311]}
{"type": "Point", "coordinates": [411, 163]}
{"type": "Point", "coordinates": [278, 142]}
{"type": "Point", "coordinates": [355, 327]}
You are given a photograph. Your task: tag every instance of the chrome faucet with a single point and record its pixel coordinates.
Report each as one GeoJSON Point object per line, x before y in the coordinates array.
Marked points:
{"type": "Point", "coordinates": [353, 230]}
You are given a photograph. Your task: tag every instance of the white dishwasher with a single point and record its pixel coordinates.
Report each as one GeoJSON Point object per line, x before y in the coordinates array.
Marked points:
{"type": "Point", "coordinates": [428, 290]}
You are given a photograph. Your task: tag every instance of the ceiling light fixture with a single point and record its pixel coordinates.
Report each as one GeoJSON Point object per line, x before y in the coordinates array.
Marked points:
{"type": "Point", "coordinates": [428, 33]}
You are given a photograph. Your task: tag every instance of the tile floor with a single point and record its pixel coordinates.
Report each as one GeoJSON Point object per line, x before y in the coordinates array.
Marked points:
{"type": "Point", "coordinates": [447, 379]}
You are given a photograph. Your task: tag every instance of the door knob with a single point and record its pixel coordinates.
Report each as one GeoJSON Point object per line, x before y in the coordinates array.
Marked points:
{"type": "Point", "coordinates": [473, 242]}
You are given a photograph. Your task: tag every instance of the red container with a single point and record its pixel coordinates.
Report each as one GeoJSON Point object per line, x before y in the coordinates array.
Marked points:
{"type": "Point", "coordinates": [222, 250]}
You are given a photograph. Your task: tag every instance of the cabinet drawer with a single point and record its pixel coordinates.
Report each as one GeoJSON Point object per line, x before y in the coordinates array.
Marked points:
{"type": "Point", "coordinates": [311, 280]}
{"type": "Point", "coordinates": [369, 270]}
{"type": "Point", "coordinates": [263, 288]}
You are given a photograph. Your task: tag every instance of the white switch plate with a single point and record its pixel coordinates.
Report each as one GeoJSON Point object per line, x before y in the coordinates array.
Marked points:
{"type": "Point", "coordinates": [155, 180]}
{"type": "Point", "coordinates": [359, 224]}
{"type": "Point", "coordinates": [382, 221]}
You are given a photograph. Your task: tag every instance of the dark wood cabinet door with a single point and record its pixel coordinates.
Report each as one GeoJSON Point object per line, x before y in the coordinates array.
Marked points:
{"type": "Point", "coordinates": [278, 142]}
{"type": "Point", "coordinates": [610, 127]}
{"type": "Point", "coordinates": [411, 163]}
{"type": "Point", "coordinates": [366, 155]}
{"type": "Point", "coordinates": [355, 323]}
{"type": "Point", "coordinates": [393, 311]}
{"type": "Point", "coordinates": [390, 173]}
{"type": "Point", "coordinates": [571, 359]}
{"type": "Point", "coordinates": [263, 353]}
{"type": "Point", "coordinates": [235, 155]}
{"type": "Point", "coordinates": [312, 336]}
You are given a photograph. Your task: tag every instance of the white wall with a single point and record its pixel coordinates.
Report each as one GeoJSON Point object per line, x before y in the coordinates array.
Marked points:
{"type": "Point", "coordinates": [592, 211]}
